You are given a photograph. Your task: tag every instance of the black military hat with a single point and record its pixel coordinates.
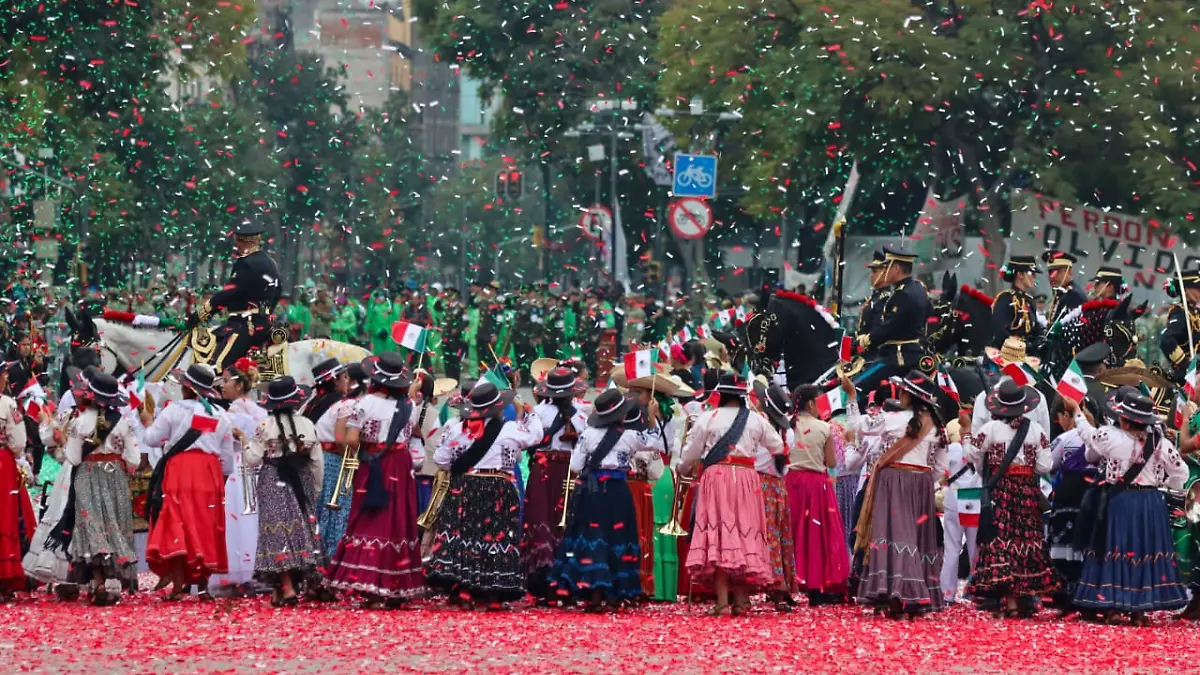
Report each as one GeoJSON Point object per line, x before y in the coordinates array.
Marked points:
{"type": "Point", "coordinates": [1022, 263]}
{"type": "Point", "coordinates": [1111, 275]}
{"type": "Point", "coordinates": [1093, 354]}
{"type": "Point", "coordinates": [894, 253]}
{"type": "Point", "coordinates": [878, 259]}
{"type": "Point", "coordinates": [1058, 259]}
{"type": "Point", "coordinates": [249, 227]}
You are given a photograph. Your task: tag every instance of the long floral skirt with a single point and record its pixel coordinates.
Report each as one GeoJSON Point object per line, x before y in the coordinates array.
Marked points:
{"type": "Point", "coordinates": [380, 554]}
{"type": "Point", "coordinates": [287, 537]}
{"type": "Point", "coordinates": [600, 550]}
{"type": "Point", "coordinates": [475, 545]}
{"type": "Point", "coordinates": [729, 534]}
{"type": "Point", "coordinates": [903, 561]}
{"type": "Point", "coordinates": [103, 536]}
{"type": "Point", "coordinates": [1015, 560]}
{"type": "Point", "coordinates": [191, 525]}
{"type": "Point", "coordinates": [822, 561]}
{"type": "Point", "coordinates": [1137, 570]}
{"type": "Point", "coordinates": [779, 533]}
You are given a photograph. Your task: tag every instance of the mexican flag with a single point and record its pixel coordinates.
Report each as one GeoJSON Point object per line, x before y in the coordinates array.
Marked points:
{"type": "Point", "coordinates": [33, 396]}
{"type": "Point", "coordinates": [203, 424]}
{"type": "Point", "coordinates": [947, 384]}
{"type": "Point", "coordinates": [496, 376]}
{"type": "Point", "coordinates": [409, 335]}
{"type": "Point", "coordinates": [969, 504]}
{"type": "Point", "coordinates": [640, 363]}
{"type": "Point", "coordinates": [1177, 415]}
{"type": "Point", "coordinates": [833, 401]}
{"type": "Point", "coordinates": [1189, 380]}
{"type": "Point", "coordinates": [1021, 373]}
{"type": "Point", "coordinates": [844, 350]}
{"type": "Point", "coordinates": [1072, 385]}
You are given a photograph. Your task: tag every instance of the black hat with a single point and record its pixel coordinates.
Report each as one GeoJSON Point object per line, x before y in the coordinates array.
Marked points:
{"type": "Point", "coordinates": [388, 370]}
{"type": "Point", "coordinates": [1129, 404]}
{"type": "Point", "coordinates": [919, 385]}
{"type": "Point", "coordinates": [731, 383]}
{"type": "Point", "coordinates": [1009, 400]}
{"type": "Point", "coordinates": [284, 394]}
{"type": "Point", "coordinates": [485, 400]}
{"type": "Point", "coordinates": [609, 408]}
{"type": "Point", "coordinates": [878, 259]}
{"type": "Point", "coordinates": [894, 253]}
{"type": "Point", "coordinates": [635, 418]}
{"type": "Point", "coordinates": [561, 382]}
{"type": "Point", "coordinates": [249, 227]}
{"type": "Point", "coordinates": [1058, 259]}
{"type": "Point", "coordinates": [1022, 263]}
{"type": "Point", "coordinates": [1093, 354]}
{"type": "Point", "coordinates": [105, 390]}
{"type": "Point", "coordinates": [775, 402]}
{"type": "Point", "coordinates": [200, 378]}
{"type": "Point", "coordinates": [357, 373]}
{"type": "Point", "coordinates": [1111, 275]}
{"type": "Point", "coordinates": [327, 371]}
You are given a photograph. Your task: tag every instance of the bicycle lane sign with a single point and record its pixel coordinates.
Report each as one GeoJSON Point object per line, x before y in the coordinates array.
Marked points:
{"type": "Point", "coordinates": [695, 176]}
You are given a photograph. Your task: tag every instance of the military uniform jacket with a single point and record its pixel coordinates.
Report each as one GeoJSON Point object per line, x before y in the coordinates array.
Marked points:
{"type": "Point", "coordinates": [903, 316]}
{"type": "Point", "coordinates": [1013, 315]}
{"type": "Point", "coordinates": [1174, 340]}
{"type": "Point", "coordinates": [872, 310]}
{"type": "Point", "coordinates": [454, 320]}
{"type": "Point", "coordinates": [1065, 299]}
{"type": "Point", "coordinates": [254, 284]}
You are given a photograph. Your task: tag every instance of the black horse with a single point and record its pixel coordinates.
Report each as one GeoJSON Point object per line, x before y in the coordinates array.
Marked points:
{"type": "Point", "coordinates": [795, 328]}
{"type": "Point", "coordinates": [1101, 320]}
{"type": "Point", "coordinates": [962, 322]}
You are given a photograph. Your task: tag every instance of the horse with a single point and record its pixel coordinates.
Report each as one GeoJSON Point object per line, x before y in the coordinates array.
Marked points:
{"type": "Point", "coordinates": [961, 325]}
{"type": "Point", "coordinates": [796, 329]}
{"type": "Point", "coordinates": [1100, 320]}
{"type": "Point", "coordinates": [125, 348]}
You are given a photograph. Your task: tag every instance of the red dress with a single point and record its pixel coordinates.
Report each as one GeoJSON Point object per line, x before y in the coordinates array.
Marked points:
{"type": "Point", "coordinates": [191, 525]}
{"type": "Point", "coordinates": [16, 523]}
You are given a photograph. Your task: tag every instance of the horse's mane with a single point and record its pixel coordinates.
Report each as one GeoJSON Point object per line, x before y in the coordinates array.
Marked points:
{"type": "Point", "coordinates": [811, 303]}
{"type": "Point", "coordinates": [977, 295]}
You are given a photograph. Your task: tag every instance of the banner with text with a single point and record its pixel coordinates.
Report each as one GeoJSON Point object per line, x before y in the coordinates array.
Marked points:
{"type": "Point", "coordinates": [1138, 246]}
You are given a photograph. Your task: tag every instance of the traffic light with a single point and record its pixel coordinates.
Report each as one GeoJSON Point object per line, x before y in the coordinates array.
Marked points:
{"type": "Point", "coordinates": [654, 272]}
{"type": "Point", "coordinates": [539, 236]}
{"type": "Point", "coordinates": [510, 184]}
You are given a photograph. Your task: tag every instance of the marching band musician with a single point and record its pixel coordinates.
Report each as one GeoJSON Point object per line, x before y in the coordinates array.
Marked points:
{"type": "Point", "coordinates": [1014, 312]}
{"type": "Point", "coordinates": [563, 418]}
{"type": "Point", "coordinates": [1060, 267]}
{"type": "Point", "coordinates": [1174, 342]}
{"type": "Point", "coordinates": [871, 313]}
{"type": "Point", "coordinates": [476, 555]}
{"type": "Point", "coordinates": [897, 335]}
{"type": "Point", "coordinates": [241, 524]}
{"type": "Point", "coordinates": [186, 505]}
{"type": "Point", "coordinates": [379, 555]}
{"type": "Point", "coordinates": [329, 409]}
{"type": "Point", "coordinates": [599, 559]}
{"type": "Point", "coordinates": [16, 511]}
{"type": "Point", "coordinates": [285, 446]}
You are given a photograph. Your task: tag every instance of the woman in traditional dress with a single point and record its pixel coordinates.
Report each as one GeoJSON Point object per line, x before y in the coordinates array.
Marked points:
{"type": "Point", "coordinates": [285, 446]}
{"type": "Point", "coordinates": [897, 529]}
{"type": "Point", "coordinates": [241, 528]}
{"type": "Point", "coordinates": [97, 525]}
{"type": "Point", "coordinates": [1011, 451]}
{"type": "Point", "coordinates": [729, 541]}
{"type": "Point", "coordinates": [563, 420]}
{"type": "Point", "coordinates": [599, 558]}
{"type": "Point", "coordinates": [822, 561]}
{"type": "Point", "coordinates": [49, 564]}
{"type": "Point", "coordinates": [476, 556]}
{"type": "Point", "coordinates": [16, 511]}
{"type": "Point", "coordinates": [329, 410]}
{"type": "Point", "coordinates": [380, 554]}
{"type": "Point", "coordinates": [647, 468]}
{"type": "Point", "coordinates": [1073, 475]}
{"type": "Point", "coordinates": [774, 403]}
{"type": "Point", "coordinates": [1131, 566]}
{"type": "Point", "coordinates": [186, 505]}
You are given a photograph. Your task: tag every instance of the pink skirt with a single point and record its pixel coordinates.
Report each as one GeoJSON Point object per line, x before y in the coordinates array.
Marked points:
{"type": "Point", "coordinates": [729, 534]}
{"type": "Point", "coordinates": [822, 561]}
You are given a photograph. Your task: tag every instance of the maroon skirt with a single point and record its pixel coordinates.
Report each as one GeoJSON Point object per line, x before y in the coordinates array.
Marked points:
{"type": "Point", "coordinates": [380, 553]}
{"type": "Point", "coordinates": [544, 492]}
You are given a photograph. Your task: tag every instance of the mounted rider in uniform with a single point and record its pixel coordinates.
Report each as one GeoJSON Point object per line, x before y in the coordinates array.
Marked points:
{"type": "Point", "coordinates": [248, 299]}
{"type": "Point", "coordinates": [1060, 266]}
{"type": "Point", "coordinates": [1174, 341]}
{"type": "Point", "coordinates": [1014, 313]}
{"type": "Point", "coordinates": [872, 310]}
{"type": "Point", "coordinates": [896, 336]}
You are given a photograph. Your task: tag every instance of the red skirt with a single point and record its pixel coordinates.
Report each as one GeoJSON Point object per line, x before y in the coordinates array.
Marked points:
{"type": "Point", "coordinates": [643, 508]}
{"type": "Point", "coordinates": [822, 561]}
{"type": "Point", "coordinates": [191, 525]}
{"type": "Point", "coordinates": [729, 534]}
{"type": "Point", "coordinates": [16, 523]}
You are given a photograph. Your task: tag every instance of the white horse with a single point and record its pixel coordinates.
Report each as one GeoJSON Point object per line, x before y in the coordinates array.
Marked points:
{"type": "Point", "coordinates": [132, 346]}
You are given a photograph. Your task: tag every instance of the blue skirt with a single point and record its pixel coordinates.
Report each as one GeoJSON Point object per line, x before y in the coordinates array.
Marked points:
{"type": "Point", "coordinates": [332, 523]}
{"type": "Point", "coordinates": [424, 492]}
{"type": "Point", "coordinates": [599, 550]}
{"type": "Point", "coordinates": [1137, 570]}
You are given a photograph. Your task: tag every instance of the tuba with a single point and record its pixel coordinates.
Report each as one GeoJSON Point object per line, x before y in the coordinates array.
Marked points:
{"type": "Point", "coordinates": [345, 479]}
{"type": "Point", "coordinates": [441, 486]}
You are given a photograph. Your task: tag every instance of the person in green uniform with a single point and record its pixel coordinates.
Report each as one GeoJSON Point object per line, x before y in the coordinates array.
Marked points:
{"type": "Point", "coordinates": [322, 315]}
{"type": "Point", "coordinates": [345, 324]}
{"type": "Point", "coordinates": [299, 315]}
{"type": "Point", "coordinates": [378, 325]}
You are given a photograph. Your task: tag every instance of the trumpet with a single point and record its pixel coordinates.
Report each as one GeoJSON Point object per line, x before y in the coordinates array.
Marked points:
{"type": "Point", "coordinates": [345, 479]}
{"type": "Point", "coordinates": [570, 483]}
{"type": "Point", "coordinates": [441, 486]}
{"type": "Point", "coordinates": [674, 528]}
{"type": "Point", "coordinates": [249, 489]}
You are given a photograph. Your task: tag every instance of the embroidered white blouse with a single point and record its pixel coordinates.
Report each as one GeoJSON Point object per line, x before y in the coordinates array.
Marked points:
{"type": "Point", "coordinates": [174, 421]}
{"type": "Point", "coordinates": [548, 413]}
{"type": "Point", "coordinates": [265, 443]}
{"type": "Point", "coordinates": [990, 444]}
{"type": "Point", "coordinates": [712, 425]}
{"type": "Point", "coordinates": [120, 441]}
{"type": "Point", "coordinates": [889, 427]}
{"type": "Point", "coordinates": [1115, 450]}
{"type": "Point", "coordinates": [645, 445]}
{"type": "Point", "coordinates": [372, 416]}
{"type": "Point", "coordinates": [502, 456]}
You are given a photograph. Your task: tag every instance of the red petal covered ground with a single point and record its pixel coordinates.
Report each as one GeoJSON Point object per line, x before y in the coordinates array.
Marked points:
{"type": "Point", "coordinates": [143, 635]}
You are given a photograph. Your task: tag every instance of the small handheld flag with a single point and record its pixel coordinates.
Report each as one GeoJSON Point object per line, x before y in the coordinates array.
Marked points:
{"type": "Point", "coordinates": [833, 401]}
{"type": "Point", "coordinates": [640, 363]}
{"type": "Point", "coordinates": [409, 335]}
{"type": "Point", "coordinates": [1021, 373]}
{"type": "Point", "coordinates": [1072, 385]}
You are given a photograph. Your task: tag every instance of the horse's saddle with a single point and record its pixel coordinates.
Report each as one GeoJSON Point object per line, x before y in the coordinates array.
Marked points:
{"type": "Point", "coordinates": [270, 356]}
